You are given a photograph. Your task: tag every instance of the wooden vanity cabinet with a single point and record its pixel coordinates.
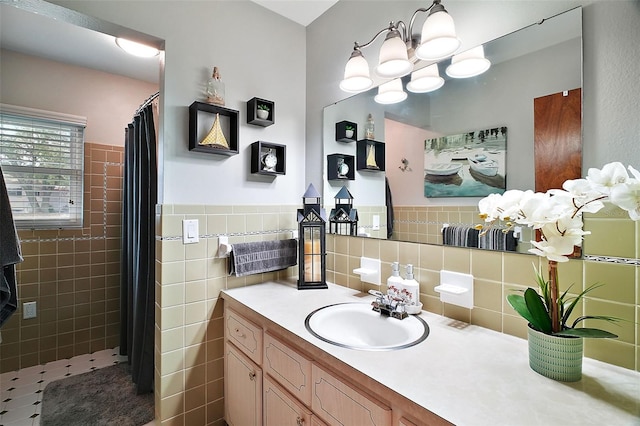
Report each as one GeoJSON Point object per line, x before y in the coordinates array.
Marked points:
{"type": "Point", "coordinates": [271, 381]}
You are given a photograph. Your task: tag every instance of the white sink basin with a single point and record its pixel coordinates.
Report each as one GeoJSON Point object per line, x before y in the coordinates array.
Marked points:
{"type": "Point", "coordinates": [357, 326]}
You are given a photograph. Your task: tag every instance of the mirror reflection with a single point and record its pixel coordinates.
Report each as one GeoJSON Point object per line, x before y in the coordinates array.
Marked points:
{"type": "Point", "coordinates": [435, 143]}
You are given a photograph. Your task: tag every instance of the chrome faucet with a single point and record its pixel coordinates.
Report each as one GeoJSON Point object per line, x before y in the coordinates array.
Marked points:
{"type": "Point", "coordinates": [389, 305]}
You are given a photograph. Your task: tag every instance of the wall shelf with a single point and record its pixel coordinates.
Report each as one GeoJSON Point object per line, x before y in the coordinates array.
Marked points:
{"type": "Point", "coordinates": [268, 158]}
{"type": "Point", "coordinates": [340, 167]}
{"type": "Point", "coordinates": [202, 117]}
{"type": "Point", "coordinates": [252, 112]}
{"type": "Point", "coordinates": [370, 155]}
{"type": "Point", "coordinates": [341, 131]}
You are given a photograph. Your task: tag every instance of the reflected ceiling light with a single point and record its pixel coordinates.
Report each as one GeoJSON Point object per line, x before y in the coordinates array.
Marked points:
{"type": "Point", "coordinates": [390, 92]}
{"type": "Point", "coordinates": [468, 64]}
{"type": "Point", "coordinates": [401, 50]}
{"type": "Point", "coordinates": [136, 49]}
{"type": "Point", "coordinates": [356, 74]}
{"type": "Point", "coordinates": [425, 80]}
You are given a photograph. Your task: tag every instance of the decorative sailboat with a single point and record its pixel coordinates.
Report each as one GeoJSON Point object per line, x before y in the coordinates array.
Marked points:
{"type": "Point", "coordinates": [215, 138]}
{"type": "Point", "coordinates": [371, 158]}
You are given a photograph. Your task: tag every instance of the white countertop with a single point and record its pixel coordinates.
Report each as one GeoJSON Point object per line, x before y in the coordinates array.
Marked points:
{"type": "Point", "coordinates": [467, 375]}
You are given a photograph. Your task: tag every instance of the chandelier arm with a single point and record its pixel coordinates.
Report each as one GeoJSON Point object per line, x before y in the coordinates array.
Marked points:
{"type": "Point", "coordinates": [413, 19]}
{"type": "Point", "coordinates": [389, 28]}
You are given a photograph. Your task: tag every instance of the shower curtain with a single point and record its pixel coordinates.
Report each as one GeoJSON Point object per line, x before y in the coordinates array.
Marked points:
{"type": "Point", "coordinates": [137, 290]}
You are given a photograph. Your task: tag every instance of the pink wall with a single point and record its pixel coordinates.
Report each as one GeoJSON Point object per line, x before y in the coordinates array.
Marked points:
{"type": "Point", "coordinates": [107, 100]}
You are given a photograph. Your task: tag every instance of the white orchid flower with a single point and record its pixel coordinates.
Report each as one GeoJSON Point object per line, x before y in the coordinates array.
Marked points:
{"type": "Point", "coordinates": [611, 174]}
{"type": "Point", "coordinates": [627, 195]}
{"type": "Point", "coordinates": [558, 212]}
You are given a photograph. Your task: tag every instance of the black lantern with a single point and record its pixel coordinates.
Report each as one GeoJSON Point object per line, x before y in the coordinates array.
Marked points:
{"type": "Point", "coordinates": [311, 247]}
{"type": "Point", "coordinates": [343, 219]}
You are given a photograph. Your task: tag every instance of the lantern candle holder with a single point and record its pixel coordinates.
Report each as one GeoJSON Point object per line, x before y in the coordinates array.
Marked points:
{"type": "Point", "coordinates": [312, 251]}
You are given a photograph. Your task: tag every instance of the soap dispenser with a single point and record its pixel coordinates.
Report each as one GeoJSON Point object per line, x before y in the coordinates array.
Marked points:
{"type": "Point", "coordinates": [412, 289]}
{"type": "Point", "coordinates": [394, 282]}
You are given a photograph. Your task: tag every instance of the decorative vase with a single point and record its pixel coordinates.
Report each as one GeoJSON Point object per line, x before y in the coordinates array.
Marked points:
{"type": "Point", "coordinates": [263, 114]}
{"type": "Point", "coordinates": [558, 358]}
{"type": "Point", "coordinates": [348, 133]}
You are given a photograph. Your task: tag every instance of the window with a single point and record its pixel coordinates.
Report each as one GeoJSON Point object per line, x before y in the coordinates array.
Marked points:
{"type": "Point", "coordinates": [41, 155]}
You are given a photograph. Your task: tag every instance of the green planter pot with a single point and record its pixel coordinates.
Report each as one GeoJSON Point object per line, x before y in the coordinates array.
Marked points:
{"type": "Point", "coordinates": [558, 358]}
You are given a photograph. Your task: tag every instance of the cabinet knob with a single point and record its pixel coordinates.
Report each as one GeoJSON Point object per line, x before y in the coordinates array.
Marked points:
{"type": "Point", "coordinates": [238, 333]}
{"type": "Point", "coordinates": [252, 375]}
{"type": "Point", "coordinates": [300, 421]}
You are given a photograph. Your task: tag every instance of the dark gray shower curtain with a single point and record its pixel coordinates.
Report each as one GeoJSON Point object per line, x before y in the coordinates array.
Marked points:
{"type": "Point", "coordinates": [137, 290]}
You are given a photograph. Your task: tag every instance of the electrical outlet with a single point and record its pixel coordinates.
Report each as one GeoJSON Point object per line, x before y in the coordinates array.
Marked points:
{"type": "Point", "coordinates": [28, 310]}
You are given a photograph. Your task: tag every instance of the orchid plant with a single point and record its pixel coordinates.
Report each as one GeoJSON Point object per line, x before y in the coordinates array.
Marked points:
{"type": "Point", "coordinates": [557, 214]}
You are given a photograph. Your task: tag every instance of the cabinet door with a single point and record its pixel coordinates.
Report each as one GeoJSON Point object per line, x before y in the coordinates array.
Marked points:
{"type": "Point", "coordinates": [242, 389]}
{"type": "Point", "coordinates": [339, 404]}
{"type": "Point", "coordinates": [287, 367]}
{"type": "Point", "coordinates": [280, 409]}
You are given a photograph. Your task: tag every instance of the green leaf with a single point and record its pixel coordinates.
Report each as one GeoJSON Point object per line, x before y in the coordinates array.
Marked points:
{"type": "Point", "coordinates": [519, 305]}
{"type": "Point", "coordinates": [575, 301]}
{"type": "Point", "coordinates": [539, 313]}
{"type": "Point", "coordinates": [585, 332]}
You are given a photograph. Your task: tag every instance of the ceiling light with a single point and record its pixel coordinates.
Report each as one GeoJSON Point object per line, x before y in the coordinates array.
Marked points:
{"type": "Point", "coordinates": [438, 39]}
{"type": "Point", "coordinates": [394, 60]}
{"type": "Point", "coordinates": [136, 49]}
{"type": "Point", "coordinates": [356, 73]}
{"type": "Point", "coordinates": [390, 92]}
{"type": "Point", "coordinates": [468, 64]}
{"type": "Point", "coordinates": [425, 80]}
{"type": "Point", "coordinates": [396, 57]}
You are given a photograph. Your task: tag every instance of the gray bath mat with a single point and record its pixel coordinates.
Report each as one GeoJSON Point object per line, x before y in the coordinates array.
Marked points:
{"type": "Point", "coordinates": [105, 396]}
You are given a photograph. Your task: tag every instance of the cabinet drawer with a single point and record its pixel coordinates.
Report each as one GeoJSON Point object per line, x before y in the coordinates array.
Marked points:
{"type": "Point", "coordinates": [339, 404]}
{"type": "Point", "coordinates": [280, 409]}
{"type": "Point", "coordinates": [244, 334]}
{"type": "Point", "coordinates": [290, 369]}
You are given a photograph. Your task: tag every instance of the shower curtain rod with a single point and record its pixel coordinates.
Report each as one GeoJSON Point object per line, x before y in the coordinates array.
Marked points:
{"type": "Point", "coordinates": [147, 102]}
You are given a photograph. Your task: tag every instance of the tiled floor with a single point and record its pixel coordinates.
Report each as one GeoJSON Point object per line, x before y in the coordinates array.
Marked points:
{"type": "Point", "coordinates": [21, 391]}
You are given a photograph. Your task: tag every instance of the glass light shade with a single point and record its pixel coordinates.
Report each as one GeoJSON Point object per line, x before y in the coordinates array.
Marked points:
{"type": "Point", "coordinates": [393, 60]}
{"type": "Point", "coordinates": [390, 92]}
{"type": "Point", "coordinates": [468, 64]}
{"type": "Point", "coordinates": [439, 38]}
{"type": "Point", "coordinates": [356, 74]}
{"type": "Point", "coordinates": [425, 80]}
{"type": "Point", "coordinates": [136, 49]}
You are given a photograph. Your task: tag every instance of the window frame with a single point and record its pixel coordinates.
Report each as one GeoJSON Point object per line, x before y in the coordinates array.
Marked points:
{"type": "Point", "coordinates": [73, 170]}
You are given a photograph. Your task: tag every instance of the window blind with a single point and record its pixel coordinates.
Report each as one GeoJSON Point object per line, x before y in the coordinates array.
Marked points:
{"type": "Point", "coordinates": [41, 155]}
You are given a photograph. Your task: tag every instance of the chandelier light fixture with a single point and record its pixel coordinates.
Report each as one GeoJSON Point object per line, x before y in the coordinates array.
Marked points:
{"type": "Point", "coordinates": [401, 52]}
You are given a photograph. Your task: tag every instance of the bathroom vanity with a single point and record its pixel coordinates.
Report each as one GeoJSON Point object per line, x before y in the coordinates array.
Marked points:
{"type": "Point", "coordinates": [278, 373]}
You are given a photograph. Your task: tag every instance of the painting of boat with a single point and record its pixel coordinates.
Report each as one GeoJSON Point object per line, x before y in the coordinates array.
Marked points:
{"type": "Point", "coordinates": [442, 169]}
{"type": "Point", "coordinates": [466, 164]}
{"type": "Point", "coordinates": [483, 166]}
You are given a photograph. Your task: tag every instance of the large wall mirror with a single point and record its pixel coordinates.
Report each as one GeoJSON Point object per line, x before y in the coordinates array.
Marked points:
{"type": "Point", "coordinates": [542, 59]}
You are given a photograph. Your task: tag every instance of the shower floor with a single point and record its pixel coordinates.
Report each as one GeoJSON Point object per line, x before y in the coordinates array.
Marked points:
{"type": "Point", "coordinates": [21, 391]}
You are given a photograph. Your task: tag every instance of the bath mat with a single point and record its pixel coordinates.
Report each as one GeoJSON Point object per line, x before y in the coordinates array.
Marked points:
{"type": "Point", "coordinates": [105, 396]}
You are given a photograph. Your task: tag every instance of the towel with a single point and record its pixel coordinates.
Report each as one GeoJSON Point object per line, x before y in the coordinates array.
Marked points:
{"type": "Point", "coordinates": [262, 256]}
{"type": "Point", "coordinates": [9, 255]}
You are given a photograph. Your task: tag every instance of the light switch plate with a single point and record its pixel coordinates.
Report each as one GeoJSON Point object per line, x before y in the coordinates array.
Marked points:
{"type": "Point", "coordinates": [190, 232]}
{"type": "Point", "coordinates": [376, 222]}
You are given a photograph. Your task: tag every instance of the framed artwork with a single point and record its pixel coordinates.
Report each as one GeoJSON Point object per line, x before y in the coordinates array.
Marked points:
{"type": "Point", "coordinates": [471, 164]}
